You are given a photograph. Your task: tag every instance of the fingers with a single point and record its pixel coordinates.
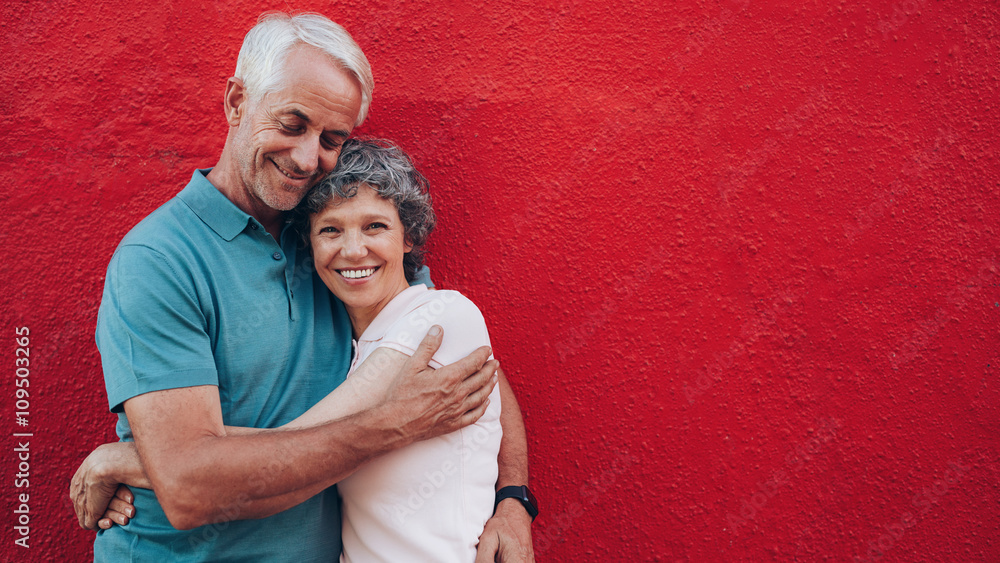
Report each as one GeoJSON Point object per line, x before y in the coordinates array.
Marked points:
{"type": "Point", "coordinates": [478, 388]}
{"type": "Point", "coordinates": [470, 417]}
{"type": "Point", "coordinates": [120, 507]}
{"type": "Point", "coordinates": [480, 384]}
{"type": "Point", "coordinates": [486, 551]}
{"type": "Point", "coordinates": [429, 345]}
{"type": "Point", "coordinates": [113, 516]}
{"type": "Point", "coordinates": [125, 494]}
{"type": "Point", "coordinates": [474, 361]}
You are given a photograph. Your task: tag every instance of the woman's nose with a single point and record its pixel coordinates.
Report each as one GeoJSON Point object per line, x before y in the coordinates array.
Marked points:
{"type": "Point", "coordinates": [354, 246]}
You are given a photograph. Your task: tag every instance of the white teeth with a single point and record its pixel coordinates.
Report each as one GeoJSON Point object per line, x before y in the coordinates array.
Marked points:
{"type": "Point", "coordinates": [355, 274]}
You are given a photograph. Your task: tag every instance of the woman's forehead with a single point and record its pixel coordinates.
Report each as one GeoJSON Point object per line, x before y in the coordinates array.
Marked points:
{"type": "Point", "coordinates": [365, 197]}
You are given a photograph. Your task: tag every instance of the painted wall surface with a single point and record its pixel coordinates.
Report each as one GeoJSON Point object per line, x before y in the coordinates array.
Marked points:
{"type": "Point", "coordinates": [740, 259]}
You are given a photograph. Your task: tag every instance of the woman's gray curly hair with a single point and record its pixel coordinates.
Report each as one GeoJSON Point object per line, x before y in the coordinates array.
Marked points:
{"type": "Point", "coordinates": [386, 168]}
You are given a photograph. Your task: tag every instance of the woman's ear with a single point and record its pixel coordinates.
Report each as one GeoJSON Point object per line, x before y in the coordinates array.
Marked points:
{"type": "Point", "coordinates": [407, 245]}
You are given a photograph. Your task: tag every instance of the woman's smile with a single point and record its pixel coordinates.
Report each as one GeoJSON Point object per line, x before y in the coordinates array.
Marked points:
{"type": "Point", "coordinates": [358, 274]}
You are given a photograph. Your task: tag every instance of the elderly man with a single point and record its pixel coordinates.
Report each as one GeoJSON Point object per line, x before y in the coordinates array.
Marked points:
{"type": "Point", "coordinates": [212, 322]}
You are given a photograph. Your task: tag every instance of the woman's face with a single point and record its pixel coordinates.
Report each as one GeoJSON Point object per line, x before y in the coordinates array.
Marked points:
{"type": "Point", "coordinates": [358, 245]}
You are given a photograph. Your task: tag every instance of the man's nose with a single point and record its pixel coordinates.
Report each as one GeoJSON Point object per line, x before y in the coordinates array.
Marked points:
{"type": "Point", "coordinates": [305, 155]}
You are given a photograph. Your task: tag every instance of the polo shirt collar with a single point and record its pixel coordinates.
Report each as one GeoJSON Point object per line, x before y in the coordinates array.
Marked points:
{"type": "Point", "coordinates": [212, 207]}
{"type": "Point", "coordinates": [397, 308]}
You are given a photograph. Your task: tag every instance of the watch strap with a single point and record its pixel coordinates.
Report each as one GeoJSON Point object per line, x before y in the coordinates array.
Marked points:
{"type": "Point", "coordinates": [521, 493]}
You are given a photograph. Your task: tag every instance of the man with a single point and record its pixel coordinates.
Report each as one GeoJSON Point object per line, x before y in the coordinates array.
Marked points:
{"type": "Point", "coordinates": [212, 319]}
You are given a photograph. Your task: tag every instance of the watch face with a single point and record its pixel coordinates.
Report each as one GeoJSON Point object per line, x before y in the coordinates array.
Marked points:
{"type": "Point", "coordinates": [530, 497]}
{"type": "Point", "coordinates": [522, 494]}
{"type": "Point", "coordinates": [529, 502]}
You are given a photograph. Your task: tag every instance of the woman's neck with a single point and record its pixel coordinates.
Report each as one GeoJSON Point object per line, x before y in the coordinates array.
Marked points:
{"type": "Point", "coordinates": [362, 317]}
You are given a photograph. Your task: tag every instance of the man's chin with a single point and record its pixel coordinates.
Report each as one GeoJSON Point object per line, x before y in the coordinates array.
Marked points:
{"type": "Point", "coordinates": [284, 198]}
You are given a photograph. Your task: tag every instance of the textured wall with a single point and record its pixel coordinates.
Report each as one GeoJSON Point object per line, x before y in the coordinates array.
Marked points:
{"type": "Point", "coordinates": [739, 258]}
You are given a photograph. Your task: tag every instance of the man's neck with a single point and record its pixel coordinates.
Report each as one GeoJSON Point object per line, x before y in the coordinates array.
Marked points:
{"type": "Point", "coordinates": [225, 177]}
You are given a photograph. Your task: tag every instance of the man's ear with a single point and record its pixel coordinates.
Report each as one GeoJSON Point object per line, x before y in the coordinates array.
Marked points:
{"type": "Point", "coordinates": [235, 101]}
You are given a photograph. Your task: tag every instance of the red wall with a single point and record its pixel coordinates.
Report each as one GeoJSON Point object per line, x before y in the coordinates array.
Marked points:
{"type": "Point", "coordinates": [740, 258]}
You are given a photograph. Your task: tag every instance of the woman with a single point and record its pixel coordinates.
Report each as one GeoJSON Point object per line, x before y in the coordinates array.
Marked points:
{"type": "Point", "coordinates": [366, 225]}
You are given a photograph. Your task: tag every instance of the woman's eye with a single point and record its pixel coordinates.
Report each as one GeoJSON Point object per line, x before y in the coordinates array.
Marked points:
{"type": "Point", "coordinates": [377, 226]}
{"type": "Point", "coordinates": [326, 230]}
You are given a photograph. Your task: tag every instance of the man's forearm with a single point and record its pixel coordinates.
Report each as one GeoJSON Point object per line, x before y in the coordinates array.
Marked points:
{"type": "Point", "coordinates": [254, 475]}
{"type": "Point", "coordinates": [513, 457]}
{"type": "Point", "coordinates": [198, 470]}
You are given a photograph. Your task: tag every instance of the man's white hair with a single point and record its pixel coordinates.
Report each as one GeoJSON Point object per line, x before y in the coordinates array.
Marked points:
{"type": "Point", "coordinates": [266, 46]}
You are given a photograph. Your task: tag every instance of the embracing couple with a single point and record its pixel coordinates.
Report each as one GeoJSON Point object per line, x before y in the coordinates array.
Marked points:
{"type": "Point", "coordinates": [271, 332]}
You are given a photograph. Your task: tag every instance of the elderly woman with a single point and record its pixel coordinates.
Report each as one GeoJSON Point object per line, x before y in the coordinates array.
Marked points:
{"type": "Point", "coordinates": [366, 226]}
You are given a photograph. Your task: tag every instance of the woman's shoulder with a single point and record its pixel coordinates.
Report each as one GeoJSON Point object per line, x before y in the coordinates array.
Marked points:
{"type": "Point", "coordinates": [449, 302]}
{"type": "Point", "coordinates": [462, 321]}
{"type": "Point", "coordinates": [444, 307]}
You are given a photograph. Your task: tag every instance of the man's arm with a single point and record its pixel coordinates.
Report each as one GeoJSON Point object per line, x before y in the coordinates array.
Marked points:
{"type": "Point", "coordinates": [507, 535]}
{"type": "Point", "coordinates": [93, 487]}
{"type": "Point", "coordinates": [202, 474]}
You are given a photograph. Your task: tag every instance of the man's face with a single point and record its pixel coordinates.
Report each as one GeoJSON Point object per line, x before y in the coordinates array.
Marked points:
{"type": "Point", "coordinates": [290, 139]}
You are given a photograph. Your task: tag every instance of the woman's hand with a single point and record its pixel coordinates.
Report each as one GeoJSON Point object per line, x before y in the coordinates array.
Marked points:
{"type": "Point", "coordinates": [120, 509]}
{"type": "Point", "coordinates": [94, 490]}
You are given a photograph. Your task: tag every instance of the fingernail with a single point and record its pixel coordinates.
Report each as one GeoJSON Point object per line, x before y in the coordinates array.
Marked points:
{"type": "Point", "coordinates": [435, 330]}
{"type": "Point", "coordinates": [130, 512]}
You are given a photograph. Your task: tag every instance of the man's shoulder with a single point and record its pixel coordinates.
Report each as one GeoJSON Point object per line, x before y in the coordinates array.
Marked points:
{"type": "Point", "coordinates": [175, 227]}
{"type": "Point", "coordinates": [171, 219]}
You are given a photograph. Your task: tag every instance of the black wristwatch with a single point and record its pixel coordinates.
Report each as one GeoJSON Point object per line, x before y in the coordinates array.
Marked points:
{"type": "Point", "coordinates": [522, 494]}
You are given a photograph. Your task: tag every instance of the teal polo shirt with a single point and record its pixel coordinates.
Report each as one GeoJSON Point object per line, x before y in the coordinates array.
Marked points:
{"type": "Point", "coordinates": [199, 293]}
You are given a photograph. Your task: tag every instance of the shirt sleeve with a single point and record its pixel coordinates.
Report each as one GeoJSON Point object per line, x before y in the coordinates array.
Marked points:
{"type": "Point", "coordinates": [463, 324]}
{"type": "Point", "coordinates": [151, 331]}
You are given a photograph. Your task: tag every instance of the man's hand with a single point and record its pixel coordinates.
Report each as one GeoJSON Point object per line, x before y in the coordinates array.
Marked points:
{"type": "Point", "coordinates": [426, 402]}
{"type": "Point", "coordinates": [507, 536]}
{"type": "Point", "coordinates": [94, 486]}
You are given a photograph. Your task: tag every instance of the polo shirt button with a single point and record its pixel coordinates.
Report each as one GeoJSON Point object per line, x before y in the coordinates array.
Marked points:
{"type": "Point", "coordinates": [253, 226]}
{"type": "Point", "coordinates": [276, 256]}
